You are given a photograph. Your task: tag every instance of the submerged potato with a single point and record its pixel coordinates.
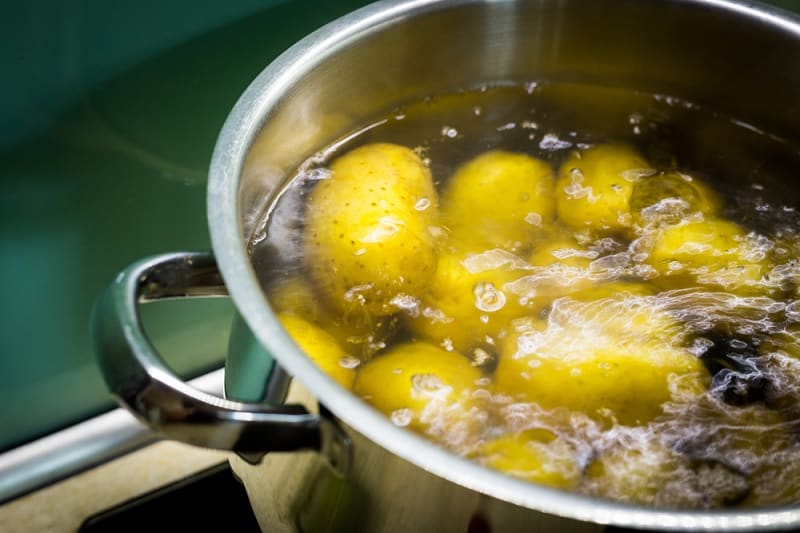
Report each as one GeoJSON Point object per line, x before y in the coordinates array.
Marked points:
{"type": "Point", "coordinates": [320, 346]}
{"type": "Point", "coordinates": [671, 197]}
{"type": "Point", "coordinates": [594, 188]}
{"type": "Point", "coordinates": [368, 236]}
{"type": "Point", "coordinates": [499, 199]}
{"type": "Point", "coordinates": [560, 267]}
{"type": "Point", "coordinates": [535, 455]}
{"type": "Point", "coordinates": [712, 252]}
{"type": "Point", "coordinates": [468, 300]}
{"type": "Point", "coordinates": [613, 357]}
{"type": "Point", "coordinates": [360, 335]}
{"type": "Point", "coordinates": [419, 385]}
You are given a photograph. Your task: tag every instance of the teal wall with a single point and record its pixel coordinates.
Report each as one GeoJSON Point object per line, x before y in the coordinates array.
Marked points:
{"type": "Point", "coordinates": [109, 111]}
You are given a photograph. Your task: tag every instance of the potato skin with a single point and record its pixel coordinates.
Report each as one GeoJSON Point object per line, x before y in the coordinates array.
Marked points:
{"type": "Point", "coordinates": [709, 253]}
{"type": "Point", "coordinates": [499, 199]}
{"type": "Point", "coordinates": [594, 188]}
{"type": "Point", "coordinates": [534, 455]}
{"type": "Point", "coordinates": [320, 346]}
{"type": "Point", "coordinates": [368, 236]}
{"type": "Point", "coordinates": [358, 335]}
{"type": "Point", "coordinates": [669, 198]}
{"type": "Point", "coordinates": [613, 356]}
{"type": "Point", "coordinates": [420, 377]}
{"type": "Point", "coordinates": [463, 307]}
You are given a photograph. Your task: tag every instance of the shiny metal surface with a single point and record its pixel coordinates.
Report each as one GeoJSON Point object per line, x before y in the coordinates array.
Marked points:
{"type": "Point", "coordinates": [738, 58]}
{"type": "Point", "coordinates": [383, 492]}
{"type": "Point", "coordinates": [82, 446]}
{"type": "Point", "coordinates": [135, 373]}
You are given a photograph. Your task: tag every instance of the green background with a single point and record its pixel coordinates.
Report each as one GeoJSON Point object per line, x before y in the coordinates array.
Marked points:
{"type": "Point", "coordinates": [109, 111]}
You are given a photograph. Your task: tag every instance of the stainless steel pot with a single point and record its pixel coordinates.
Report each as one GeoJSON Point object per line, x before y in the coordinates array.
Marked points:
{"type": "Point", "coordinates": [363, 472]}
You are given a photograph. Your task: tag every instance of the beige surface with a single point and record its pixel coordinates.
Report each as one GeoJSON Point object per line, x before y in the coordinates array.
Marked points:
{"type": "Point", "coordinates": [65, 505]}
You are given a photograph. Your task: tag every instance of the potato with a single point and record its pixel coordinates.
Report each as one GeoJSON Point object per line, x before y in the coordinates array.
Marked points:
{"type": "Point", "coordinates": [594, 188]}
{"type": "Point", "coordinates": [713, 253]}
{"type": "Point", "coordinates": [534, 455]}
{"type": "Point", "coordinates": [616, 291]}
{"type": "Point", "coordinates": [559, 248]}
{"type": "Point", "coordinates": [669, 198]}
{"type": "Point", "coordinates": [321, 347]}
{"type": "Point", "coordinates": [499, 199]}
{"type": "Point", "coordinates": [419, 385]}
{"type": "Point", "coordinates": [468, 301]}
{"type": "Point", "coordinates": [368, 237]}
{"type": "Point", "coordinates": [359, 335]}
{"type": "Point", "coordinates": [561, 266]}
{"type": "Point", "coordinates": [614, 357]}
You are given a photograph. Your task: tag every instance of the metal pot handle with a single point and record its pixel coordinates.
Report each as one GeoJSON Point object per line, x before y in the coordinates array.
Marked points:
{"type": "Point", "coordinates": [142, 382]}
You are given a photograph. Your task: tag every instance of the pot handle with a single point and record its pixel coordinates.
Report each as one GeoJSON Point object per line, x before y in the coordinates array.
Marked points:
{"type": "Point", "coordinates": [141, 381]}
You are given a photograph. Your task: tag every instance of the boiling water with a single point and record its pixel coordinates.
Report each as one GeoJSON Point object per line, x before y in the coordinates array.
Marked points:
{"type": "Point", "coordinates": [736, 443]}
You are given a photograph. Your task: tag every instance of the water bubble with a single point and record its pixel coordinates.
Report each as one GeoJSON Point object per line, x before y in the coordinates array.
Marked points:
{"type": "Point", "coordinates": [449, 132]}
{"type": "Point", "coordinates": [427, 383]}
{"type": "Point", "coordinates": [530, 86]}
{"type": "Point", "coordinates": [349, 362]}
{"type": "Point", "coordinates": [534, 219]}
{"type": "Point", "coordinates": [406, 303]}
{"type": "Point", "coordinates": [487, 297]}
{"type": "Point", "coordinates": [402, 417]}
{"type": "Point", "coordinates": [551, 143]}
{"type": "Point", "coordinates": [422, 204]}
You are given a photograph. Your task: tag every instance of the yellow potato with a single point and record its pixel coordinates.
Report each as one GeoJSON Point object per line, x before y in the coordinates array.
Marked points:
{"type": "Point", "coordinates": [560, 249]}
{"type": "Point", "coordinates": [615, 290]}
{"type": "Point", "coordinates": [368, 237]}
{"type": "Point", "coordinates": [561, 266]}
{"type": "Point", "coordinates": [534, 455]}
{"type": "Point", "coordinates": [635, 475]}
{"type": "Point", "coordinates": [358, 334]}
{"type": "Point", "coordinates": [713, 253]}
{"type": "Point", "coordinates": [594, 188]}
{"type": "Point", "coordinates": [468, 300]}
{"type": "Point", "coordinates": [295, 295]}
{"type": "Point", "coordinates": [418, 384]}
{"type": "Point", "coordinates": [499, 199]}
{"type": "Point", "coordinates": [321, 347]}
{"type": "Point", "coordinates": [670, 197]}
{"type": "Point", "coordinates": [613, 357]}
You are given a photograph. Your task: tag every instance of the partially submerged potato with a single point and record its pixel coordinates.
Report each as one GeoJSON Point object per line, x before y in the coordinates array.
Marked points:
{"type": "Point", "coordinates": [360, 335]}
{"type": "Point", "coordinates": [560, 266]}
{"type": "Point", "coordinates": [611, 358]}
{"type": "Point", "coordinates": [369, 237]}
{"type": "Point", "coordinates": [419, 385]}
{"type": "Point", "coordinates": [321, 347]}
{"type": "Point", "coordinates": [499, 199]}
{"type": "Point", "coordinates": [711, 252]}
{"type": "Point", "coordinates": [669, 198]}
{"type": "Point", "coordinates": [536, 455]}
{"type": "Point", "coordinates": [594, 188]}
{"type": "Point", "coordinates": [468, 300]}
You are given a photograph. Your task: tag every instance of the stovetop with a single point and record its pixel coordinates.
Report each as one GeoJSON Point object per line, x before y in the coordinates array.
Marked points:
{"type": "Point", "coordinates": [210, 500]}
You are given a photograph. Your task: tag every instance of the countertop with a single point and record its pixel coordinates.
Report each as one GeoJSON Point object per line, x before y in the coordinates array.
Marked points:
{"type": "Point", "coordinates": [64, 506]}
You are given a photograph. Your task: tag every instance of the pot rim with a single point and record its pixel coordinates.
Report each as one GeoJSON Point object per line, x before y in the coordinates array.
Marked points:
{"type": "Point", "coordinates": [234, 141]}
